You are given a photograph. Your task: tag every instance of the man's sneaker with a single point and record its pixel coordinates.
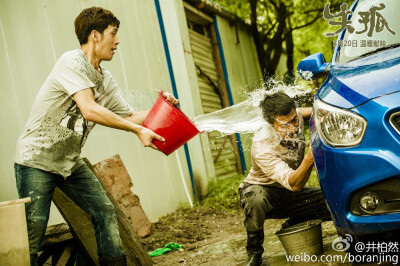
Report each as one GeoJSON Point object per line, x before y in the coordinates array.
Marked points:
{"type": "Point", "coordinates": [253, 260]}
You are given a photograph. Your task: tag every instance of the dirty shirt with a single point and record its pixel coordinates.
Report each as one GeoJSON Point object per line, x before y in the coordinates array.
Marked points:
{"type": "Point", "coordinates": [272, 163]}
{"type": "Point", "coordinates": [56, 130]}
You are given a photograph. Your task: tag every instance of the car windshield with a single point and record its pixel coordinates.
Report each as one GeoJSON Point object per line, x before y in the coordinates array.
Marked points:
{"type": "Point", "coordinates": [380, 31]}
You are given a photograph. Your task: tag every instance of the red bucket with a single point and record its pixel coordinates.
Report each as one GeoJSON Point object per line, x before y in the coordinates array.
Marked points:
{"type": "Point", "coordinates": [171, 123]}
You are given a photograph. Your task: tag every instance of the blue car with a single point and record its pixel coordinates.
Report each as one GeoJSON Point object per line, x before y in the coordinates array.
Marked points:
{"type": "Point", "coordinates": [355, 128]}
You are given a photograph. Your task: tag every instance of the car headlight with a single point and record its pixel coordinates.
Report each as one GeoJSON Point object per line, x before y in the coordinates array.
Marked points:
{"type": "Point", "coordinates": [338, 127]}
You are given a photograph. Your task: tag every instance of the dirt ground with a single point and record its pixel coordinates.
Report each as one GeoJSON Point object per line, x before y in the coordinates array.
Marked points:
{"type": "Point", "coordinates": [211, 237]}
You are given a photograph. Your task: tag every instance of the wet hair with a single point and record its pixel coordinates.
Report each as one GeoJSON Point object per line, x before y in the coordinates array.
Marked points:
{"type": "Point", "coordinates": [93, 18]}
{"type": "Point", "coordinates": [276, 104]}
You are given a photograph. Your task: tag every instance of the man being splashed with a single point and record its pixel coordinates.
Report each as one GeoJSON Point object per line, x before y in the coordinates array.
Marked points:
{"type": "Point", "coordinates": [274, 187]}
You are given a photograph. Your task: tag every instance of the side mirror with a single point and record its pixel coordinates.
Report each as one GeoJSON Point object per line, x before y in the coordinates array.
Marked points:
{"type": "Point", "coordinates": [311, 66]}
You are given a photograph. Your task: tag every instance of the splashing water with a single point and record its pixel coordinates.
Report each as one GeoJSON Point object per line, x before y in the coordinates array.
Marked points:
{"type": "Point", "coordinates": [306, 75]}
{"type": "Point", "coordinates": [246, 117]}
{"type": "Point", "coordinates": [240, 118]}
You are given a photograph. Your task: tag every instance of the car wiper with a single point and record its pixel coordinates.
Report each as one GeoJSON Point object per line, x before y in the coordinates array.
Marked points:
{"type": "Point", "coordinates": [375, 51]}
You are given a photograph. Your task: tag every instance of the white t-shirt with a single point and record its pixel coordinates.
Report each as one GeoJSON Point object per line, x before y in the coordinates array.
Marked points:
{"type": "Point", "coordinates": [56, 130]}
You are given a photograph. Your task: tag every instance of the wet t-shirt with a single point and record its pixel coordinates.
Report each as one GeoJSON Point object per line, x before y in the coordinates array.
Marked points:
{"type": "Point", "coordinates": [56, 130]}
{"type": "Point", "coordinates": [273, 161]}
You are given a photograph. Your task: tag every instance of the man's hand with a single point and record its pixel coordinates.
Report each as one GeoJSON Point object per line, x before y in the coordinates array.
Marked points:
{"type": "Point", "coordinates": [309, 157]}
{"type": "Point", "coordinates": [170, 98]}
{"type": "Point", "coordinates": [299, 178]}
{"type": "Point", "coordinates": [146, 136]}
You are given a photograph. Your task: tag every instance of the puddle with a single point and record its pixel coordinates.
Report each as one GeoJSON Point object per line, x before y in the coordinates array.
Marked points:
{"type": "Point", "coordinates": [225, 246]}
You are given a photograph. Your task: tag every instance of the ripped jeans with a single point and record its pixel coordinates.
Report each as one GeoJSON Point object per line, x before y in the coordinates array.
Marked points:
{"type": "Point", "coordinates": [84, 189]}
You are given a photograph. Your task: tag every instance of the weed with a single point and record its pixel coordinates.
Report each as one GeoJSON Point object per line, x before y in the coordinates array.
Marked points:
{"type": "Point", "coordinates": [223, 194]}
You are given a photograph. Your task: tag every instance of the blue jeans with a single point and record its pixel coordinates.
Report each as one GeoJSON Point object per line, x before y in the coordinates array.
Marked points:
{"type": "Point", "coordinates": [84, 189]}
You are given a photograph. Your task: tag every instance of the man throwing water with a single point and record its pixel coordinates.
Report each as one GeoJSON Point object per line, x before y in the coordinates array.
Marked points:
{"type": "Point", "coordinates": [274, 188]}
{"type": "Point", "coordinates": [77, 94]}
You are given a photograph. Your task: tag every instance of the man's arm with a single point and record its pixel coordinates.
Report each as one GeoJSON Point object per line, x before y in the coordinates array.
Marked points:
{"type": "Point", "coordinates": [96, 113]}
{"type": "Point", "coordinates": [300, 176]}
{"type": "Point", "coordinates": [137, 117]}
{"type": "Point", "coordinates": [306, 112]}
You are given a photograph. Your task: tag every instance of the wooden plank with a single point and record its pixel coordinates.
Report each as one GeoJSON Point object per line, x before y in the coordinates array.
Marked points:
{"type": "Point", "coordinates": [135, 252]}
{"type": "Point", "coordinates": [14, 202]}
{"type": "Point", "coordinates": [200, 16]}
{"type": "Point", "coordinates": [65, 255]}
{"type": "Point", "coordinates": [57, 233]}
{"type": "Point", "coordinates": [44, 257]}
{"type": "Point", "coordinates": [80, 224]}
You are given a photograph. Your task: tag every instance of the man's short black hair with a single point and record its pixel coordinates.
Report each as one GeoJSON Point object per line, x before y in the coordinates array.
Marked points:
{"type": "Point", "coordinates": [276, 104]}
{"type": "Point", "coordinates": [93, 18]}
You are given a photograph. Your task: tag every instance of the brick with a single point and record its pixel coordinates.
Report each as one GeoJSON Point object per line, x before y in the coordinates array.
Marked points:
{"type": "Point", "coordinates": [114, 176]}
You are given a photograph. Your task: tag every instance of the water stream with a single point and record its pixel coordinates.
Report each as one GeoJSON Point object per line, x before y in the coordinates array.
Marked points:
{"type": "Point", "coordinates": [245, 117]}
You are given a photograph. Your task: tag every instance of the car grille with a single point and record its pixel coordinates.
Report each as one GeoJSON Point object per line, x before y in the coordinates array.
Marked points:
{"type": "Point", "coordinates": [395, 121]}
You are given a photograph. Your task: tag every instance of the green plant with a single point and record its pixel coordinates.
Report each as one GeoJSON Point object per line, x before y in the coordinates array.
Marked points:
{"type": "Point", "coordinates": [223, 194]}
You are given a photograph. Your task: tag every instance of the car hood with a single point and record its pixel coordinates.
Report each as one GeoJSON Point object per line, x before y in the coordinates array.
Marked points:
{"type": "Point", "coordinates": [353, 83]}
